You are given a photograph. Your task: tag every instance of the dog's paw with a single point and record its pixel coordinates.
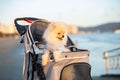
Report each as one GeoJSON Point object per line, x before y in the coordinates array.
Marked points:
{"type": "Point", "coordinates": [56, 55]}
{"type": "Point", "coordinates": [45, 59]}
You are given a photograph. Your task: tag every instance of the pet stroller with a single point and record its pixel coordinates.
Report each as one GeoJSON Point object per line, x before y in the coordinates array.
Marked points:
{"type": "Point", "coordinates": [73, 65]}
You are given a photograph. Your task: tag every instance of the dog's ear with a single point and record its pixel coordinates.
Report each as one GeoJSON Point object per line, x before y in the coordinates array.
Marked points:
{"type": "Point", "coordinates": [52, 27]}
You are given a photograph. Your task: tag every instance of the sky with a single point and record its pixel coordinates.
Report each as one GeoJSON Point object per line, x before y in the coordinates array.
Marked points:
{"type": "Point", "coordinates": [77, 12]}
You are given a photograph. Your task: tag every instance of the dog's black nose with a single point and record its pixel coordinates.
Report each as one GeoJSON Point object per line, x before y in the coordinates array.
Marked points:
{"type": "Point", "coordinates": [62, 36]}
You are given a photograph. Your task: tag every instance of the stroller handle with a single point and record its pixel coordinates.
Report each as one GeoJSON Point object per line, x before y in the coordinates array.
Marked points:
{"type": "Point", "coordinates": [22, 28]}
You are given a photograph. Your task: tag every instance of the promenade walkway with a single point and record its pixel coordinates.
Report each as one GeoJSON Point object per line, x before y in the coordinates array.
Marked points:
{"type": "Point", "coordinates": [105, 78]}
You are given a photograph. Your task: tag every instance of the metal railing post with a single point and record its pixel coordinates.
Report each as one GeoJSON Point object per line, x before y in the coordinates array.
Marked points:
{"type": "Point", "coordinates": [106, 62]}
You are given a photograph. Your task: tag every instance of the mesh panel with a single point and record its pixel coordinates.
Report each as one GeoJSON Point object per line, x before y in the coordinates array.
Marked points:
{"type": "Point", "coordinates": [76, 71]}
{"type": "Point", "coordinates": [37, 29]}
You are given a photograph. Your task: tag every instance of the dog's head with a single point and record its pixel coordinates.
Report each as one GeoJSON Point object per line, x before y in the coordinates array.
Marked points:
{"type": "Point", "coordinates": [56, 33]}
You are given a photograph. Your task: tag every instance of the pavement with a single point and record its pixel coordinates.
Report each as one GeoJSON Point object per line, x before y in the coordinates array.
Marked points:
{"type": "Point", "coordinates": [105, 78]}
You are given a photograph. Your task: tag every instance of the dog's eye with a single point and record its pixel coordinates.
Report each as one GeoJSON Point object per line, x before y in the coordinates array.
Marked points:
{"type": "Point", "coordinates": [58, 33]}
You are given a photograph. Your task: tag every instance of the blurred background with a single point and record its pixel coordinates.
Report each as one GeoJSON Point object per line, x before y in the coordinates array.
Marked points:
{"type": "Point", "coordinates": [93, 25]}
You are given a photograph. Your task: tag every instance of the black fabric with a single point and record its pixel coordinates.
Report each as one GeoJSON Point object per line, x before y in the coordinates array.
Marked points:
{"type": "Point", "coordinates": [82, 71]}
{"type": "Point", "coordinates": [40, 72]}
{"type": "Point", "coordinates": [76, 71]}
{"type": "Point", "coordinates": [37, 30]}
{"type": "Point", "coordinates": [36, 68]}
{"type": "Point", "coordinates": [69, 42]}
{"type": "Point", "coordinates": [28, 66]}
{"type": "Point", "coordinates": [23, 28]}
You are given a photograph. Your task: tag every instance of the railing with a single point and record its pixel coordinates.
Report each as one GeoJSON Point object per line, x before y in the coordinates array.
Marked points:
{"type": "Point", "coordinates": [112, 59]}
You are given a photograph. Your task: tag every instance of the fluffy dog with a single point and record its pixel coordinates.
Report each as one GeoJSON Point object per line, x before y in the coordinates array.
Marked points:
{"type": "Point", "coordinates": [56, 38]}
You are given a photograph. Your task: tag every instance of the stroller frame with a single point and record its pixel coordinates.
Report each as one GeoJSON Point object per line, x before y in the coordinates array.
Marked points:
{"type": "Point", "coordinates": [75, 62]}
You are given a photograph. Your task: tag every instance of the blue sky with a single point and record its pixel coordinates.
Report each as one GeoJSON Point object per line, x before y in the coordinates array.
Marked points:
{"type": "Point", "coordinates": [78, 12]}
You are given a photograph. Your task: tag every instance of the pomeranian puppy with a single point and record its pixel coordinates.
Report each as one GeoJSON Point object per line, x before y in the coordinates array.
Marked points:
{"type": "Point", "coordinates": [56, 38]}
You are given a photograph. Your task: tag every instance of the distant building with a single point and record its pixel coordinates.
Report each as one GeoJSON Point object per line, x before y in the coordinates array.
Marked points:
{"type": "Point", "coordinates": [73, 29]}
{"type": "Point", "coordinates": [117, 31]}
{"type": "Point", "coordinates": [11, 29]}
{"type": "Point", "coordinates": [8, 29]}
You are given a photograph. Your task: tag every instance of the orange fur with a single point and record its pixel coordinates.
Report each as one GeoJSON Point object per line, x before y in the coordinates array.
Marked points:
{"type": "Point", "coordinates": [56, 38]}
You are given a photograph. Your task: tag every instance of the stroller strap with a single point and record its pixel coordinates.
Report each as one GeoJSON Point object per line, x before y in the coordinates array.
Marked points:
{"type": "Point", "coordinates": [37, 67]}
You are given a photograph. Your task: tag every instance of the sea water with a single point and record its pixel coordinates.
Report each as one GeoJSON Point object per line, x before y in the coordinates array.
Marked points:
{"type": "Point", "coordinates": [97, 44]}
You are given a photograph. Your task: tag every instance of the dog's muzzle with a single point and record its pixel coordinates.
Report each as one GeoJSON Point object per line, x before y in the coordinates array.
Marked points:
{"type": "Point", "coordinates": [60, 38]}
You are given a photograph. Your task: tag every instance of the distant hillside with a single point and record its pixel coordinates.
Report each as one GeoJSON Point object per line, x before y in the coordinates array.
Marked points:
{"type": "Point", "coordinates": [109, 27]}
